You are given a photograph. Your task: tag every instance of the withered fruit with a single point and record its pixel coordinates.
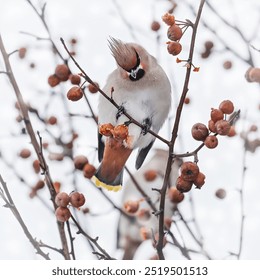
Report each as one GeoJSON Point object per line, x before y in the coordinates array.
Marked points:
{"type": "Point", "coordinates": [39, 185]}
{"type": "Point", "coordinates": [131, 206]}
{"type": "Point", "coordinates": [52, 120]}
{"type": "Point", "coordinates": [75, 93]}
{"type": "Point", "coordinates": [155, 26]}
{"type": "Point", "coordinates": [75, 79]}
{"type": "Point", "coordinates": [199, 131]}
{"type": "Point", "coordinates": [25, 153]}
{"type": "Point", "coordinates": [227, 107]}
{"type": "Point", "coordinates": [150, 175]}
{"type": "Point", "coordinates": [253, 75]}
{"type": "Point", "coordinates": [120, 132]}
{"type": "Point", "coordinates": [36, 166]}
{"type": "Point", "coordinates": [183, 185]}
{"type": "Point", "coordinates": [175, 195]}
{"type": "Point", "coordinates": [189, 171]}
{"type": "Point", "coordinates": [174, 48]}
{"type": "Point", "coordinates": [211, 142]}
{"type": "Point", "coordinates": [77, 199]}
{"type": "Point", "coordinates": [80, 161]}
{"type": "Point", "coordinates": [93, 88]}
{"type": "Point", "coordinates": [200, 180]}
{"type": "Point", "coordinates": [22, 52]}
{"type": "Point", "coordinates": [221, 193]}
{"type": "Point", "coordinates": [53, 80]}
{"type": "Point", "coordinates": [174, 33]}
{"type": "Point", "coordinates": [216, 115]}
{"type": "Point", "coordinates": [89, 170]}
{"type": "Point", "coordinates": [62, 214]}
{"type": "Point", "coordinates": [62, 199]}
{"type": "Point", "coordinates": [106, 129]}
{"type": "Point", "coordinates": [211, 126]}
{"type": "Point", "coordinates": [227, 64]}
{"type": "Point", "coordinates": [62, 72]}
{"type": "Point", "coordinates": [222, 127]}
{"type": "Point", "coordinates": [168, 19]}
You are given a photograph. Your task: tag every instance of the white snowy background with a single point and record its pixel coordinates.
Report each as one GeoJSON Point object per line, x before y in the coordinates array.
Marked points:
{"type": "Point", "coordinates": [92, 22]}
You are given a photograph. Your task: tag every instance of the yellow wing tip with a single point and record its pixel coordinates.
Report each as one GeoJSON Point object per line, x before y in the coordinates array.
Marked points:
{"type": "Point", "coordinates": [100, 184]}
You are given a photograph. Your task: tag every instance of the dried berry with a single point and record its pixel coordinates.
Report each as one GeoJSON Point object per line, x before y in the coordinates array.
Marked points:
{"type": "Point", "coordinates": [93, 88]}
{"type": "Point", "coordinates": [199, 131]}
{"type": "Point", "coordinates": [143, 214]}
{"type": "Point", "coordinates": [175, 195]}
{"type": "Point", "coordinates": [187, 100]}
{"type": "Point", "coordinates": [57, 186]}
{"type": "Point", "coordinates": [174, 48]}
{"type": "Point", "coordinates": [75, 93]}
{"type": "Point", "coordinates": [150, 175]}
{"type": "Point", "coordinates": [80, 161]}
{"type": "Point", "coordinates": [62, 72]}
{"type": "Point", "coordinates": [182, 185]}
{"type": "Point", "coordinates": [106, 129]}
{"type": "Point", "coordinates": [168, 19]}
{"type": "Point", "coordinates": [211, 142]}
{"type": "Point", "coordinates": [36, 166]}
{"type": "Point", "coordinates": [62, 199]}
{"type": "Point", "coordinates": [208, 45]}
{"type": "Point", "coordinates": [75, 79]}
{"type": "Point", "coordinates": [145, 233]}
{"type": "Point", "coordinates": [39, 185]}
{"type": "Point", "coordinates": [22, 52]}
{"type": "Point", "coordinates": [211, 126]}
{"type": "Point", "coordinates": [222, 127]}
{"type": "Point", "coordinates": [53, 80]}
{"type": "Point", "coordinates": [226, 106]}
{"type": "Point", "coordinates": [232, 131]}
{"type": "Point", "coordinates": [189, 171]}
{"type": "Point", "coordinates": [73, 41]}
{"type": "Point", "coordinates": [52, 120]}
{"type": "Point", "coordinates": [62, 214]}
{"type": "Point", "coordinates": [253, 75]}
{"type": "Point", "coordinates": [25, 153]}
{"type": "Point", "coordinates": [221, 193]}
{"type": "Point", "coordinates": [155, 26]}
{"type": "Point", "coordinates": [216, 115]}
{"type": "Point", "coordinates": [120, 132]}
{"type": "Point", "coordinates": [77, 199]}
{"type": "Point", "coordinates": [227, 65]}
{"type": "Point", "coordinates": [200, 180]}
{"type": "Point", "coordinates": [89, 170]}
{"type": "Point", "coordinates": [174, 32]}
{"type": "Point", "coordinates": [131, 206]}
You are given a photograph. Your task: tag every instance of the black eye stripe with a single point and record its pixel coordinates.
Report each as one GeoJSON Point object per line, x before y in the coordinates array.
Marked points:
{"type": "Point", "coordinates": [140, 73]}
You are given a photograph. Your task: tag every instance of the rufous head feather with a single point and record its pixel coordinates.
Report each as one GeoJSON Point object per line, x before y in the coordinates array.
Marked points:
{"type": "Point", "coordinates": [124, 53]}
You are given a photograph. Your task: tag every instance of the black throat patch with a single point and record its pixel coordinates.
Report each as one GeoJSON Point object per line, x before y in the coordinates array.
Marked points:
{"type": "Point", "coordinates": [137, 72]}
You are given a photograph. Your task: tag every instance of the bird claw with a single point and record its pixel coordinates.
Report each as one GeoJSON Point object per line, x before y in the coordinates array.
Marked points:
{"type": "Point", "coordinates": [120, 112]}
{"type": "Point", "coordinates": [146, 125]}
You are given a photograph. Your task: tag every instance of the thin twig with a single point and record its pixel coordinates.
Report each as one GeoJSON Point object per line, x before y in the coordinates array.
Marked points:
{"type": "Point", "coordinates": [5, 194]}
{"type": "Point", "coordinates": [25, 114]}
{"type": "Point", "coordinates": [175, 129]}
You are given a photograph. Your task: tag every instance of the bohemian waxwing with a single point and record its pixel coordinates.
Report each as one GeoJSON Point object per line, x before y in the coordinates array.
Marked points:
{"type": "Point", "coordinates": [141, 88]}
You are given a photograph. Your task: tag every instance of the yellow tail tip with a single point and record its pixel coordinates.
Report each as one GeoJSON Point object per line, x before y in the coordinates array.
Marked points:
{"type": "Point", "coordinates": [100, 184]}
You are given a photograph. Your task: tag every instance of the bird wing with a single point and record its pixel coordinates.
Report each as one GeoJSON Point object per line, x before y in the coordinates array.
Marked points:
{"type": "Point", "coordinates": [142, 155]}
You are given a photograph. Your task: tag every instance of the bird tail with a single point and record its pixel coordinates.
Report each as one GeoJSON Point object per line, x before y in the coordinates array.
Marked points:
{"type": "Point", "coordinates": [109, 175]}
{"type": "Point", "coordinates": [102, 182]}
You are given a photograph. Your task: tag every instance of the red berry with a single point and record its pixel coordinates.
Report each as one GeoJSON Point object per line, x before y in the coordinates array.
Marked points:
{"type": "Point", "coordinates": [189, 171]}
{"type": "Point", "coordinates": [226, 106]}
{"type": "Point", "coordinates": [175, 195]}
{"type": "Point", "coordinates": [62, 214]}
{"type": "Point", "coordinates": [199, 131]}
{"type": "Point", "coordinates": [80, 161]}
{"type": "Point", "coordinates": [131, 206]}
{"type": "Point", "coordinates": [89, 170]}
{"type": "Point", "coordinates": [174, 48]}
{"type": "Point", "coordinates": [75, 93]}
{"type": "Point", "coordinates": [211, 142]}
{"type": "Point", "coordinates": [222, 127]}
{"type": "Point", "coordinates": [77, 199]}
{"type": "Point", "coordinates": [62, 72]}
{"type": "Point", "coordinates": [182, 185]}
{"type": "Point", "coordinates": [150, 175]}
{"type": "Point", "coordinates": [216, 115]}
{"type": "Point", "coordinates": [174, 32]}
{"type": "Point", "coordinates": [62, 199]}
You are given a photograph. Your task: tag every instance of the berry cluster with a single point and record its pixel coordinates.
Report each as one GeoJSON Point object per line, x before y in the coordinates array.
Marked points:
{"type": "Point", "coordinates": [217, 125]}
{"type": "Point", "coordinates": [63, 200]}
{"type": "Point", "coordinates": [190, 174]}
{"type": "Point", "coordinates": [81, 163]}
{"type": "Point", "coordinates": [119, 132]}
{"type": "Point", "coordinates": [174, 33]}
